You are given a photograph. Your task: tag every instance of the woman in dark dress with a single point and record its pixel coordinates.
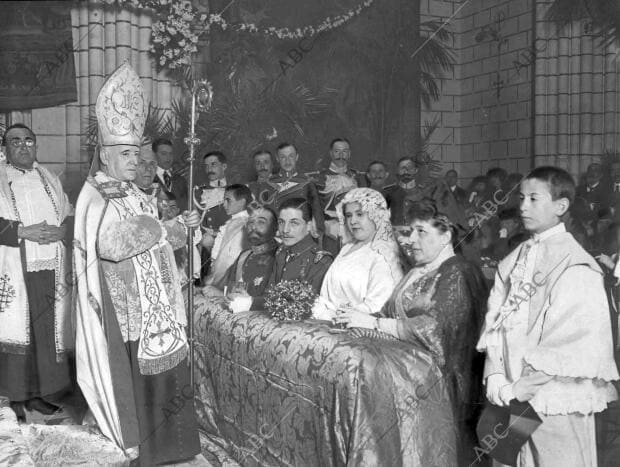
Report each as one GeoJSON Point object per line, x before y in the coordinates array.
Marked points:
{"type": "Point", "coordinates": [439, 305]}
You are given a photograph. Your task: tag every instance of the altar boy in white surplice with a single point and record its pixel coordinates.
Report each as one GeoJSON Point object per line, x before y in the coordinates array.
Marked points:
{"type": "Point", "coordinates": [547, 332]}
{"type": "Point", "coordinates": [231, 240]}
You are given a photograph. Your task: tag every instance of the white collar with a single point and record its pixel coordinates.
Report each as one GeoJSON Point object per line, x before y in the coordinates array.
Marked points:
{"type": "Point", "coordinates": [339, 170]}
{"type": "Point", "coordinates": [161, 172]}
{"type": "Point", "coordinates": [407, 186]}
{"type": "Point", "coordinates": [35, 164]}
{"type": "Point", "coordinates": [556, 229]}
{"type": "Point", "coordinates": [220, 182]}
{"type": "Point", "coordinates": [240, 214]}
{"type": "Point", "coordinates": [444, 254]}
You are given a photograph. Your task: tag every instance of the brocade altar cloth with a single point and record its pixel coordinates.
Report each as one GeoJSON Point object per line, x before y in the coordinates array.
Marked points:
{"type": "Point", "coordinates": [297, 394]}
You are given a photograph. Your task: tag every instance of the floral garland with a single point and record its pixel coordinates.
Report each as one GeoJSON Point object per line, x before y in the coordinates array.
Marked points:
{"type": "Point", "coordinates": [290, 300]}
{"type": "Point", "coordinates": [175, 35]}
{"type": "Point", "coordinates": [286, 33]}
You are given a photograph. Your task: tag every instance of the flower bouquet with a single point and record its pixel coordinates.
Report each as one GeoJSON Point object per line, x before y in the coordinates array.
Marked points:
{"type": "Point", "coordinates": [290, 300]}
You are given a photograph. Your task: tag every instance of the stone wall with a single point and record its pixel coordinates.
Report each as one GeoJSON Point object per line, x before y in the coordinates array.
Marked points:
{"type": "Point", "coordinates": [486, 107]}
{"type": "Point", "coordinates": [517, 76]}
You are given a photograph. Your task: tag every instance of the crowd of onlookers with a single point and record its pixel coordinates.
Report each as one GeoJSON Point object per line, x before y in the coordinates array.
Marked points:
{"type": "Point", "coordinates": [495, 228]}
{"type": "Point", "coordinates": [486, 210]}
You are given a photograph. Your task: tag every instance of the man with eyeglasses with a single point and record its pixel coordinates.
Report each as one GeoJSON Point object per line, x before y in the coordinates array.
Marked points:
{"type": "Point", "coordinates": [335, 181]}
{"type": "Point", "coordinates": [36, 229]}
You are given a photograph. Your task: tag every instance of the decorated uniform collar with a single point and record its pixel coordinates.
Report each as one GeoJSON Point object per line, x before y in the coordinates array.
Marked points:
{"type": "Point", "coordinates": [287, 175]}
{"type": "Point", "coordinates": [303, 245]}
{"type": "Point", "coordinates": [264, 248]}
{"type": "Point", "coordinates": [340, 170]}
{"type": "Point", "coordinates": [408, 186]}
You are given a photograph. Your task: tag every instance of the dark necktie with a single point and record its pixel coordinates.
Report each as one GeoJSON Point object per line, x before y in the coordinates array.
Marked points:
{"type": "Point", "coordinates": [167, 180]}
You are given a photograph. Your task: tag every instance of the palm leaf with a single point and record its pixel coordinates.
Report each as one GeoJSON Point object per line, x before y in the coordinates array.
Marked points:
{"type": "Point", "coordinates": [604, 14]}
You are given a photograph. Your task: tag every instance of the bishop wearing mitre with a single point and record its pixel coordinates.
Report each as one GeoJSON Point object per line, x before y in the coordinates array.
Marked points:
{"type": "Point", "coordinates": [131, 342]}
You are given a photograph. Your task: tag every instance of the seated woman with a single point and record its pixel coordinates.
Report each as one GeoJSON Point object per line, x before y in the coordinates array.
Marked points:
{"type": "Point", "coordinates": [365, 272]}
{"type": "Point", "coordinates": [439, 305]}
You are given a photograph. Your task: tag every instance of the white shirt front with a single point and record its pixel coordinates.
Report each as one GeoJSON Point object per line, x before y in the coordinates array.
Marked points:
{"type": "Point", "coordinates": [161, 176]}
{"type": "Point", "coordinates": [219, 238]}
{"type": "Point", "coordinates": [219, 183]}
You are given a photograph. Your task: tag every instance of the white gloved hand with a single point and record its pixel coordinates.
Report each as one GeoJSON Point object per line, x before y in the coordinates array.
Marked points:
{"type": "Point", "coordinates": [506, 394]}
{"type": "Point", "coordinates": [494, 385]}
{"type": "Point", "coordinates": [322, 310]}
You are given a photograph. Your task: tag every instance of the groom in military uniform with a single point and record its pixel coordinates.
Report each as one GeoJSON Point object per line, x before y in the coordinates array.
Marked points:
{"type": "Point", "coordinates": [299, 257]}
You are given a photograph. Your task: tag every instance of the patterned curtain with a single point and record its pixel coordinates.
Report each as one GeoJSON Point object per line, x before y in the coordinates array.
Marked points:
{"type": "Point", "coordinates": [577, 95]}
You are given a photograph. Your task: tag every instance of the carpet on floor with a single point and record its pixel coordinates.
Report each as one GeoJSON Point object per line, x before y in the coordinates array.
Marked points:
{"type": "Point", "coordinates": [55, 441]}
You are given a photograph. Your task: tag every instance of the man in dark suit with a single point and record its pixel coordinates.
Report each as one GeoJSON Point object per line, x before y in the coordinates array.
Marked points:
{"type": "Point", "coordinates": [211, 199]}
{"type": "Point", "coordinates": [170, 180]}
{"type": "Point", "coordinates": [612, 194]}
{"type": "Point", "coordinates": [592, 190]}
{"type": "Point", "coordinates": [414, 184]}
{"type": "Point", "coordinates": [460, 195]}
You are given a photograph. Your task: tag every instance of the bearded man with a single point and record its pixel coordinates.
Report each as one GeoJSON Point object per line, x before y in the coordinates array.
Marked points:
{"type": "Point", "coordinates": [254, 266]}
{"type": "Point", "coordinates": [415, 184]}
{"type": "Point", "coordinates": [131, 343]}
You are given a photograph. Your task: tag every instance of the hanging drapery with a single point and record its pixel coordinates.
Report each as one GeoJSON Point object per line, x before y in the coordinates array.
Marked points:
{"type": "Point", "coordinates": [36, 55]}
{"type": "Point", "coordinates": [103, 36]}
{"type": "Point", "coordinates": [577, 95]}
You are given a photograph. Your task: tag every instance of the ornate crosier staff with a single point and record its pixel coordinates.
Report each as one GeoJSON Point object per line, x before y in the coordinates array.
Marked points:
{"type": "Point", "coordinates": [202, 96]}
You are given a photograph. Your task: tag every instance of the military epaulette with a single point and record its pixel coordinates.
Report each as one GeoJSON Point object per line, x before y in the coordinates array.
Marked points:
{"type": "Point", "coordinates": [314, 176]}
{"type": "Point", "coordinates": [320, 254]}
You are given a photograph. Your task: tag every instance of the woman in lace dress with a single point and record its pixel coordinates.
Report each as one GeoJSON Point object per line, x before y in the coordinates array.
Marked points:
{"type": "Point", "coordinates": [365, 272]}
{"type": "Point", "coordinates": [439, 305]}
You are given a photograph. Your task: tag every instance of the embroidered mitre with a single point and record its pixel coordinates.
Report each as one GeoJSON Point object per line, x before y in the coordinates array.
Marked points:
{"type": "Point", "coordinates": [121, 108]}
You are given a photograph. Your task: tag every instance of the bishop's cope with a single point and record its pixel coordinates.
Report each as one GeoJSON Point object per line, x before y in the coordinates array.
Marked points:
{"type": "Point", "coordinates": [131, 342]}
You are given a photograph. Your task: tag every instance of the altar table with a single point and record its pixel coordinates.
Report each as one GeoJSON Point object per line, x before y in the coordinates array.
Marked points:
{"type": "Point", "coordinates": [297, 394]}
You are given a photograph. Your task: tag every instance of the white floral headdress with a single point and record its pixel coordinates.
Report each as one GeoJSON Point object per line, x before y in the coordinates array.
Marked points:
{"type": "Point", "coordinates": [373, 203]}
